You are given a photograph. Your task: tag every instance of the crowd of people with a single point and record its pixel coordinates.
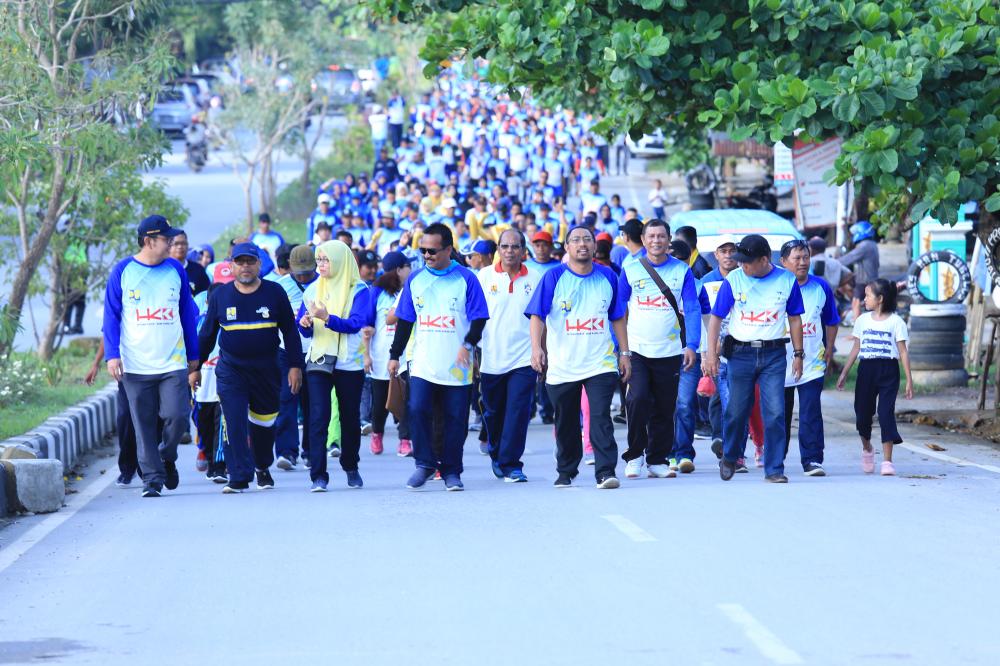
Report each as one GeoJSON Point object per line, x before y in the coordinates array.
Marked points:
{"type": "Point", "coordinates": [479, 267]}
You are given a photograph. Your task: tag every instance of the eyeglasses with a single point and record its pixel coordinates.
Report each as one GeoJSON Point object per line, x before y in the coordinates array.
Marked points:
{"type": "Point", "coordinates": [507, 246]}
{"type": "Point", "coordinates": [431, 251]}
{"type": "Point", "coordinates": [322, 260]}
{"type": "Point", "coordinates": [576, 240]}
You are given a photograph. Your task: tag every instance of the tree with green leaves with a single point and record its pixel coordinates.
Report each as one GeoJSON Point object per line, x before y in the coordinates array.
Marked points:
{"type": "Point", "coordinates": [910, 85]}
{"type": "Point", "coordinates": [76, 78]}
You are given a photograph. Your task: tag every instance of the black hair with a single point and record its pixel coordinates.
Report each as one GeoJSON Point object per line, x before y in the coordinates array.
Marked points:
{"type": "Point", "coordinates": [585, 228]}
{"type": "Point", "coordinates": [389, 282]}
{"type": "Point", "coordinates": [786, 248]}
{"type": "Point", "coordinates": [442, 232]}
{"type": "Point", "coordinates": [520, 236]}
{"type": "Point", "coordinates": [688, 235]}
{"type": "Point", "coordinates": [655, 222]}
{"type": "Point", "coordinates": [886, 290]}
{"type": "Point", "coordinates": [680, 250]}
{"type": "Point", "coordinates": [264, 217]}
{"type": "Point", "coordinates": [343, 233]}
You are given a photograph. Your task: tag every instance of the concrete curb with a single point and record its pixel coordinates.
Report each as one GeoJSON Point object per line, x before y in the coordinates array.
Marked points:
{"type": "Point", "coordinates": [68, 435]}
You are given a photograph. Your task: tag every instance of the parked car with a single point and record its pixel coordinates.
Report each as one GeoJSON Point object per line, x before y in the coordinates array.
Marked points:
{"type": "Point", "coordinates": [339, 87]}
{"type": "Point", "coordinates": [711, 225]}
{"type": "Point", "coordinates": [650, 145]}
{"type": "Point", "coordinates": [369, 82]}
{"type": "Point", "coordinates": [199, 87]}
{"type": "Point", "coordinates": [174, 106]}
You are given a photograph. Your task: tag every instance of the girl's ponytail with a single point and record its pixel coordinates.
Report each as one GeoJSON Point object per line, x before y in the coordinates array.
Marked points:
{"type": "Point", "coordinates": [886, 289]}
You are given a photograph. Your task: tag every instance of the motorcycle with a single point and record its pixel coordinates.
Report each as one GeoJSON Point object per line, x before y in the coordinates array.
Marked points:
{"type": "Point", "coordinates": [196, 146]}
{"type": "Point", "coordinates": [761, 197]}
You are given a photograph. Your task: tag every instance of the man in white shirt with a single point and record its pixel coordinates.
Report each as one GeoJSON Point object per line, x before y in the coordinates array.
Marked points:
{"type": "Point", "coordinates": [508, 380]}
{"type": "Point", "coordinates": [379, 122]}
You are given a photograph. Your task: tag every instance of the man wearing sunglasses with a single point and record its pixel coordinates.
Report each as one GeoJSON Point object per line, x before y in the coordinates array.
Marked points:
{"type": "Point", "coordinates": [760, 297]}
{"type": "Point", "coordinates": [819, 333]}
{"type": "Point", "coordinates": [443, 306]}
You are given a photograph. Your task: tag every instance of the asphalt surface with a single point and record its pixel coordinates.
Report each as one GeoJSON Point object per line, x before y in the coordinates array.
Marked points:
{"type": "Point", "coordinates": [847, 569]}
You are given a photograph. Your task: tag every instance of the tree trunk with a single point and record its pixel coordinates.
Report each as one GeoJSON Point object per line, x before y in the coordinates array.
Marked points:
{"type": "Point", "coordinates": [57, 310]}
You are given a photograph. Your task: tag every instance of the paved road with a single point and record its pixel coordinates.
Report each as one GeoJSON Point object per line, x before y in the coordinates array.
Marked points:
{"type": "Point", "coordinates": [848, 569]}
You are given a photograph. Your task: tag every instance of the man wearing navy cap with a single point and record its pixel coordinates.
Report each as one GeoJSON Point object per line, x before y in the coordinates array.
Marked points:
{"type": "Point", "coordinates": [150, 343]}
{"type": "Point", "coordinates": [250, 312]}
{"type": "Point", "coordinates": [480, 254]}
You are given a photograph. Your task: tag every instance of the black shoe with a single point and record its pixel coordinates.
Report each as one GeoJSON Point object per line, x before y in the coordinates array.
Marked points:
{"type": "Point", "coordinates": [726, 469]}
{"type": "Point", "coordinates": [264, 479]}
{"type": "Point", "coordinates": [776, 478]}
{"type": "Point", "coordinates": [173, 479]}
{"type": "Point", "coordinates": [564, 481]}
{"type": "Point", "coordinates": [548, 420]}
{"type": "Point", "coordinates": [125, 479]}
{"type": "Point", "coordinates": [717, 448]}
{"type": "Point", "coordinates": [741, 468]}
{"type": "Point", "coordinates": [620, 418]}
{"type": "Point", "coordinates": [814, 469]}
{"type": "Point", "coordinates": [235, 487]}
{"type": "Point", "coordinates": [151, 490]}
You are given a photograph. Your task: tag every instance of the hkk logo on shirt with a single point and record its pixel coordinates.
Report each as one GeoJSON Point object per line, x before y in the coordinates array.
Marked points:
{"type": "Point", "coordinates": [441, 323]}
{"type": "Point", "coordinates": [155, 314]}
{"type": "Point", "coordinates": [585, 326]}
{"type": "Point", "coordinates": [809, 328]}
{"type": "Point", "coordinates": [763, 317]}
{"type": "Point", "coordinates": [651, 301]}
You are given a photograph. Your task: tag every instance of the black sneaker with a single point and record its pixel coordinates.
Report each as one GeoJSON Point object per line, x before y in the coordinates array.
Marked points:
{"type": "Point", "coordinates": [717, 448]}
{"type": "Point", "coordinates": [217, 474]}
{"type": "Point", "coordinates": [354, 479]}
{"type": "Point", "coordinates": [548, 420]}
{"type": "Point", "coordinates": [726, 469]}
{"type": "Point", "coordinates": [776, 478]}
{"type": "Point", "coordinates": [173, 479]}
{"type": "Point", "coordinates": [234, 487]}
{"type": "Point", "coordinates": [620, 418]}
{"type": "Point", "coordinates": [124, 479]}
{"type": "Point", "coordinates": [814, 469]}
{"type": "Point", "coordinates": [264, 479]}
{"type": "Point", "coordinates": [151, 490]}
{"type": "Point", "coordinates": [564, 481]}
{"type": "Point", "coordinates": [741, 466]}
{"type": "Point", "coordinates": [609, 482]}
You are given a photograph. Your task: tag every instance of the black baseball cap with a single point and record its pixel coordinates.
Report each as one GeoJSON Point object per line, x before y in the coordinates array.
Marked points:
{"type": "Point", "coordinates": [157, 225]}
{"type": "Point", "coordinates": [393, 260]}
{"type": "Point", "coordinates": [367, 257]}
{"type": "Point", "coordinates": [751, 247]}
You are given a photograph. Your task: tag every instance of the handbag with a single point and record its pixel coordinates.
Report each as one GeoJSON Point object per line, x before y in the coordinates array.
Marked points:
{"type": "Point", "coordinates": [395, 401]}
{"type": "Point", "coordinates": [325, 364]}
{"type": "Point", "coordinates": [665, 290]}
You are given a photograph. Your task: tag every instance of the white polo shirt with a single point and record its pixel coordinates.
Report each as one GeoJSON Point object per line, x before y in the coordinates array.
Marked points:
{"type": "Point", "coordinates": [506, 340]}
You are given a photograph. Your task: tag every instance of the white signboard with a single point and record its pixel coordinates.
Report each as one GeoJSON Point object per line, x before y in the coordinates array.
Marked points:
{"type": "Point", "coordinates": [784, 174]}
{"type": "Point", "coordinates": [815, 200]}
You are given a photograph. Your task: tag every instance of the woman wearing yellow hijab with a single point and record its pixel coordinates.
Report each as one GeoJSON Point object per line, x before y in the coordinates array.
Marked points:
{"type": "Point", "coordinates": [334, 310]}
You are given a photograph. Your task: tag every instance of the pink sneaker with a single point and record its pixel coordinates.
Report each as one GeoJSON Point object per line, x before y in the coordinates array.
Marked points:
{"type": "Point", "coordinates": [888, 469]}
{"type": "Point", "coordinates": [377, 447]}
{"type": "Point", "coordinates": [588, 449]}
{"type": "Point", "coordinates": [405, 449]}
{"type": "Point", "coordinates": [867, 461]}
{"type": "Point", "coordinates": [758, 455]}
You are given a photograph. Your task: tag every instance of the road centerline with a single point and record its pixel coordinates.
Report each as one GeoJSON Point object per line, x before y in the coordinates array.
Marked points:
{"type": "Point", "coordinates": [629, 529]}
{"type": "Point", "coordinates": [769, 645]}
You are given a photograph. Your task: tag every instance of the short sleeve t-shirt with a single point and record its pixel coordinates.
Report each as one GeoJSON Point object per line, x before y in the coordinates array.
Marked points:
{"type": "Point", "coordinates": [820, 312]}
{"type": "Point", "coordinates": [653, 329]}
{"type": "Point", "coordinates": [384, 333]}
{"type": "Point", "coordinates": [710, 286]}
{"type": "Point", "coordinates": [879, 338]}
{"type": "Point", "coordinates": [506, 341]}
{"type": "Point", "coordinates": [578, 311]}
{"type": "Point", "coordinates": [758, 305]}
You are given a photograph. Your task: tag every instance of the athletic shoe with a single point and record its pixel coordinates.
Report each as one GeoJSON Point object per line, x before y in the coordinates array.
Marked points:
{"type": "Point", "coordinates": [335, 450]}
{"type": "Point", "coordinates": [217, 474]}
{"type": "Point", "coordinates": [453, 483]}
{"type": "Point", "coordinates": [405, 449]}
{"type": "Point", "coordinates": [686, 466]}
{"type": "Point", "coordinates": [702, 433]}
{"type": "Point", "coordinates": [608, 483]}
{"type": "Point", "coordinates": [660, 472]}
{"type": "Point", "coordinates": [564, 481]}
{"type": "Point", "coordinates": [186, 438]}
{"type": "Point", "coordinates": [776, 478]}
{"type": "Point", "coordinates": [476, 424]}
{"type": "Point", "coordinates": [672, 463]}
{"type": "Point", "coordinates": [888, 469]}
{"type": "Point", "coordinates": [758, 455]}
{"type": "Point", "coordinates": [235, 487]}
{"type": "Point", "coordinates": [633, 468]}
{"type": "Point", "coordinates": [717, 448]}
{"type": "Point", "coordinates": [726, 469]}
{"type": "Point", "coordinates": [741, 466]}
{"type": "Point", "coordinates": [376, 445]}
{"type": "Point", "coordinates": [172, 479]}
{"type": "Point", "coordinates": [151, 490]}
{"type": "Point", "coordinates": [548, 420]}
{"type": "Point", "coordinates": [318, 486]}
{"type": "Point", "coordinates": [814, 469]}
{"type": "Point", "coordinates": [620, 419]}
{"type": "Point", "coordinates": [124, 479]}
{"type": "Point", "coordinates": [516, 476]}
{"type": "Point", "coordinates": [284, 463]}
{"type": "Point", "coordinates": [264, 479]}
{"type": "Point", "coordinates": [867, 461]}
{"type": "Point", "coordinates": [306, 463]}
{"type": "Point", "coordinates": [366, 428]}
{"type": "Point", "coordinates": [201, 462]}
{"type": "Point", "coordinates": [354, 479]}
{"type": "Point", "coordinates": [497, 472]}
{"type": "Point", "coordinates": [437, 476]}
{"type": "Point", "coordinates": [419, 477]}
{"type": "Point", "coordinates": [484, 448]}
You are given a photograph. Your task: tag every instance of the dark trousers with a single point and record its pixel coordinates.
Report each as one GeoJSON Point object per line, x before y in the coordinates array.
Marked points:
{"type": "Point", "coordinates": [286, 427]}
{"type": "Point", "coordinates": [810, 420]}
{"type": "Point", "coordinates": [73, 318]}
{"type": "Point", "coordinates": [453, 402]}
{"type": "Point", "coordinates": [209, 424]}
{"type": "Point", "coordinates": [569, 440]}
{"type": "Point", "coordinates": [395, 136]}
{"type": "Point", "coordinates": [544, 402]}
{"type": "Point", "coordinates": [128, 457]}
{"type": "Point", "coordinates": [621, 160]}
{"type": "Point", "coordinates": [154, 399]}
{"type": "Point", "coordinates": [506, 411]}
{"type": "Point", "coordinates": [649, 408]}
{"type": "Point", "coordinates": [876, 390]}
{"type": "Point", "coordinates": [348, 385]}
{"type": "Point", "coordinates": [380, 393]}
{"type": "Point", "coordinates": [249, 397]}
{"type": "Point", "coordinates": [749, 367]}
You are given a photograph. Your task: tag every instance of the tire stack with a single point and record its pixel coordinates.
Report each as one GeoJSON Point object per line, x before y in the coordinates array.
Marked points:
{"type": "Point", "coordinates": [937, 340]}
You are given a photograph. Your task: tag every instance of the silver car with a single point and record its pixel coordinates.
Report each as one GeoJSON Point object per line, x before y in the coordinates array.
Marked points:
{"type": "Point", "coordinates": [175, 104]}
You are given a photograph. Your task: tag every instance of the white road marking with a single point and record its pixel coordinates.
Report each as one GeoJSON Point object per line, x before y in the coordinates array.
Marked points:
{"type": "Point", "coordinates": [961, 462]}
{"type": "Point", "coordinates": [629, 529]}
{"type": "Point", "coordinates": [14, 551]}
{"type": "Point", "coordinates": [769, 645]}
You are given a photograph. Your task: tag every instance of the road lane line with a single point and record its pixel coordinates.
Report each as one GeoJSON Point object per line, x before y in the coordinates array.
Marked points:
{"type": "Point", "coordinates": [629, 529]}
{"type": "Point", "coordinates": [11, 553]}
{"type": "Point", "coordinates": [769, 645]}
{"type": "Point", "coordinates": [961, 462]}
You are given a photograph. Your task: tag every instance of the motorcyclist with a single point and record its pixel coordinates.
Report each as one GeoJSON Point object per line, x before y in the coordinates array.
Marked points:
{"type": "Point", "coordinates": [195, 144]}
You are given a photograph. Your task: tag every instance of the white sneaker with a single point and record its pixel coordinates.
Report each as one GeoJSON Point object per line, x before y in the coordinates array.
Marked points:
{"type": "Point", "coordinates": [661, 472]}
{"type": "Point", "coordinates": [284, 463]}
{"type": "Point", "coordinates": [633, 468]}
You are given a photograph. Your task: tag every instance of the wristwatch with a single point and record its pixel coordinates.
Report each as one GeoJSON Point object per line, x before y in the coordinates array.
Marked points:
{"type": "Point", "coordinates": [798, 353]}
{"type": "Point", "coordinates": [468, 346]}
{"type": "Point", "coordinates": [627, 354]}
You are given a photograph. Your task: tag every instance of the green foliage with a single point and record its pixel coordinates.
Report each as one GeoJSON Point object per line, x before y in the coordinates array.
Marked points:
{"type": "Point", "coordinates": [909, 84]}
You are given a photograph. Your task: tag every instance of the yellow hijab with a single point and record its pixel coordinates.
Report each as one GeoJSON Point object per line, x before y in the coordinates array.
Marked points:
{"type": "Point", "coordinates": [334, 293]}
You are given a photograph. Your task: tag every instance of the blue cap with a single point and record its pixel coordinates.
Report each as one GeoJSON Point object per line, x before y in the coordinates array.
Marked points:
{"type": "Point", "coordinates": [157, 225]}
{"type": "Point", "coordinates": [393, 260]}
{"type": "Point", "coordinates": [481, 247]}
{"type": "Point", "coordinates": [246, 250]}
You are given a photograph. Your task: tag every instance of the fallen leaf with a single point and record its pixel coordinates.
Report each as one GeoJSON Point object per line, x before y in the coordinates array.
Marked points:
{"type": "Point", "coordinates": [935, 447]}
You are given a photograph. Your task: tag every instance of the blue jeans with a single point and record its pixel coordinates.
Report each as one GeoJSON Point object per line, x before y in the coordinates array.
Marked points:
{"type": "Point", "coordinates": [810, 420]}
{"type": "Point", "coordinates": [686, 415]}
{"type": "Point", "coordinates": [453, 403]}
{"type": "Point", "coordinates": [747, 367]}
{"type": "Point", "coordinates": [286, 426]}
{"type": "Point", "coordinates": [507, 402]}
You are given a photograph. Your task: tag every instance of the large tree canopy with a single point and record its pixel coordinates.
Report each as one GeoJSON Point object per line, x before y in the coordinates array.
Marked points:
{"type": "Point", "coordinates": [911, 85]}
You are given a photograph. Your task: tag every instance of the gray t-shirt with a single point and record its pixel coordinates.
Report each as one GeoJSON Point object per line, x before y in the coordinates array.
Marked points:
{"type": "Point", "coordinates": [864, 259]}
{"type": "Point", "coordinates": [829, 269]}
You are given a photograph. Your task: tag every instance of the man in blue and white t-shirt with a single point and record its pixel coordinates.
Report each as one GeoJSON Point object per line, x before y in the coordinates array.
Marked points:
{"type": "Point", "coordinates": [443, 306]}
{"type": "Point", "coordinates": [759, 296]}
{"type": "Point", "coordinates": [151, 344]}
{"type": "Point", "coordinates": [819, 333]}
{"type": "Point", "coordinates": [659, 344]}
{"type": "Point", "coordinates": [572, 315]}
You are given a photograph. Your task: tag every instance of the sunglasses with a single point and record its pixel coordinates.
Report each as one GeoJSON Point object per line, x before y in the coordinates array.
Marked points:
{"type": "Point", "coordinates": [431, 251]}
